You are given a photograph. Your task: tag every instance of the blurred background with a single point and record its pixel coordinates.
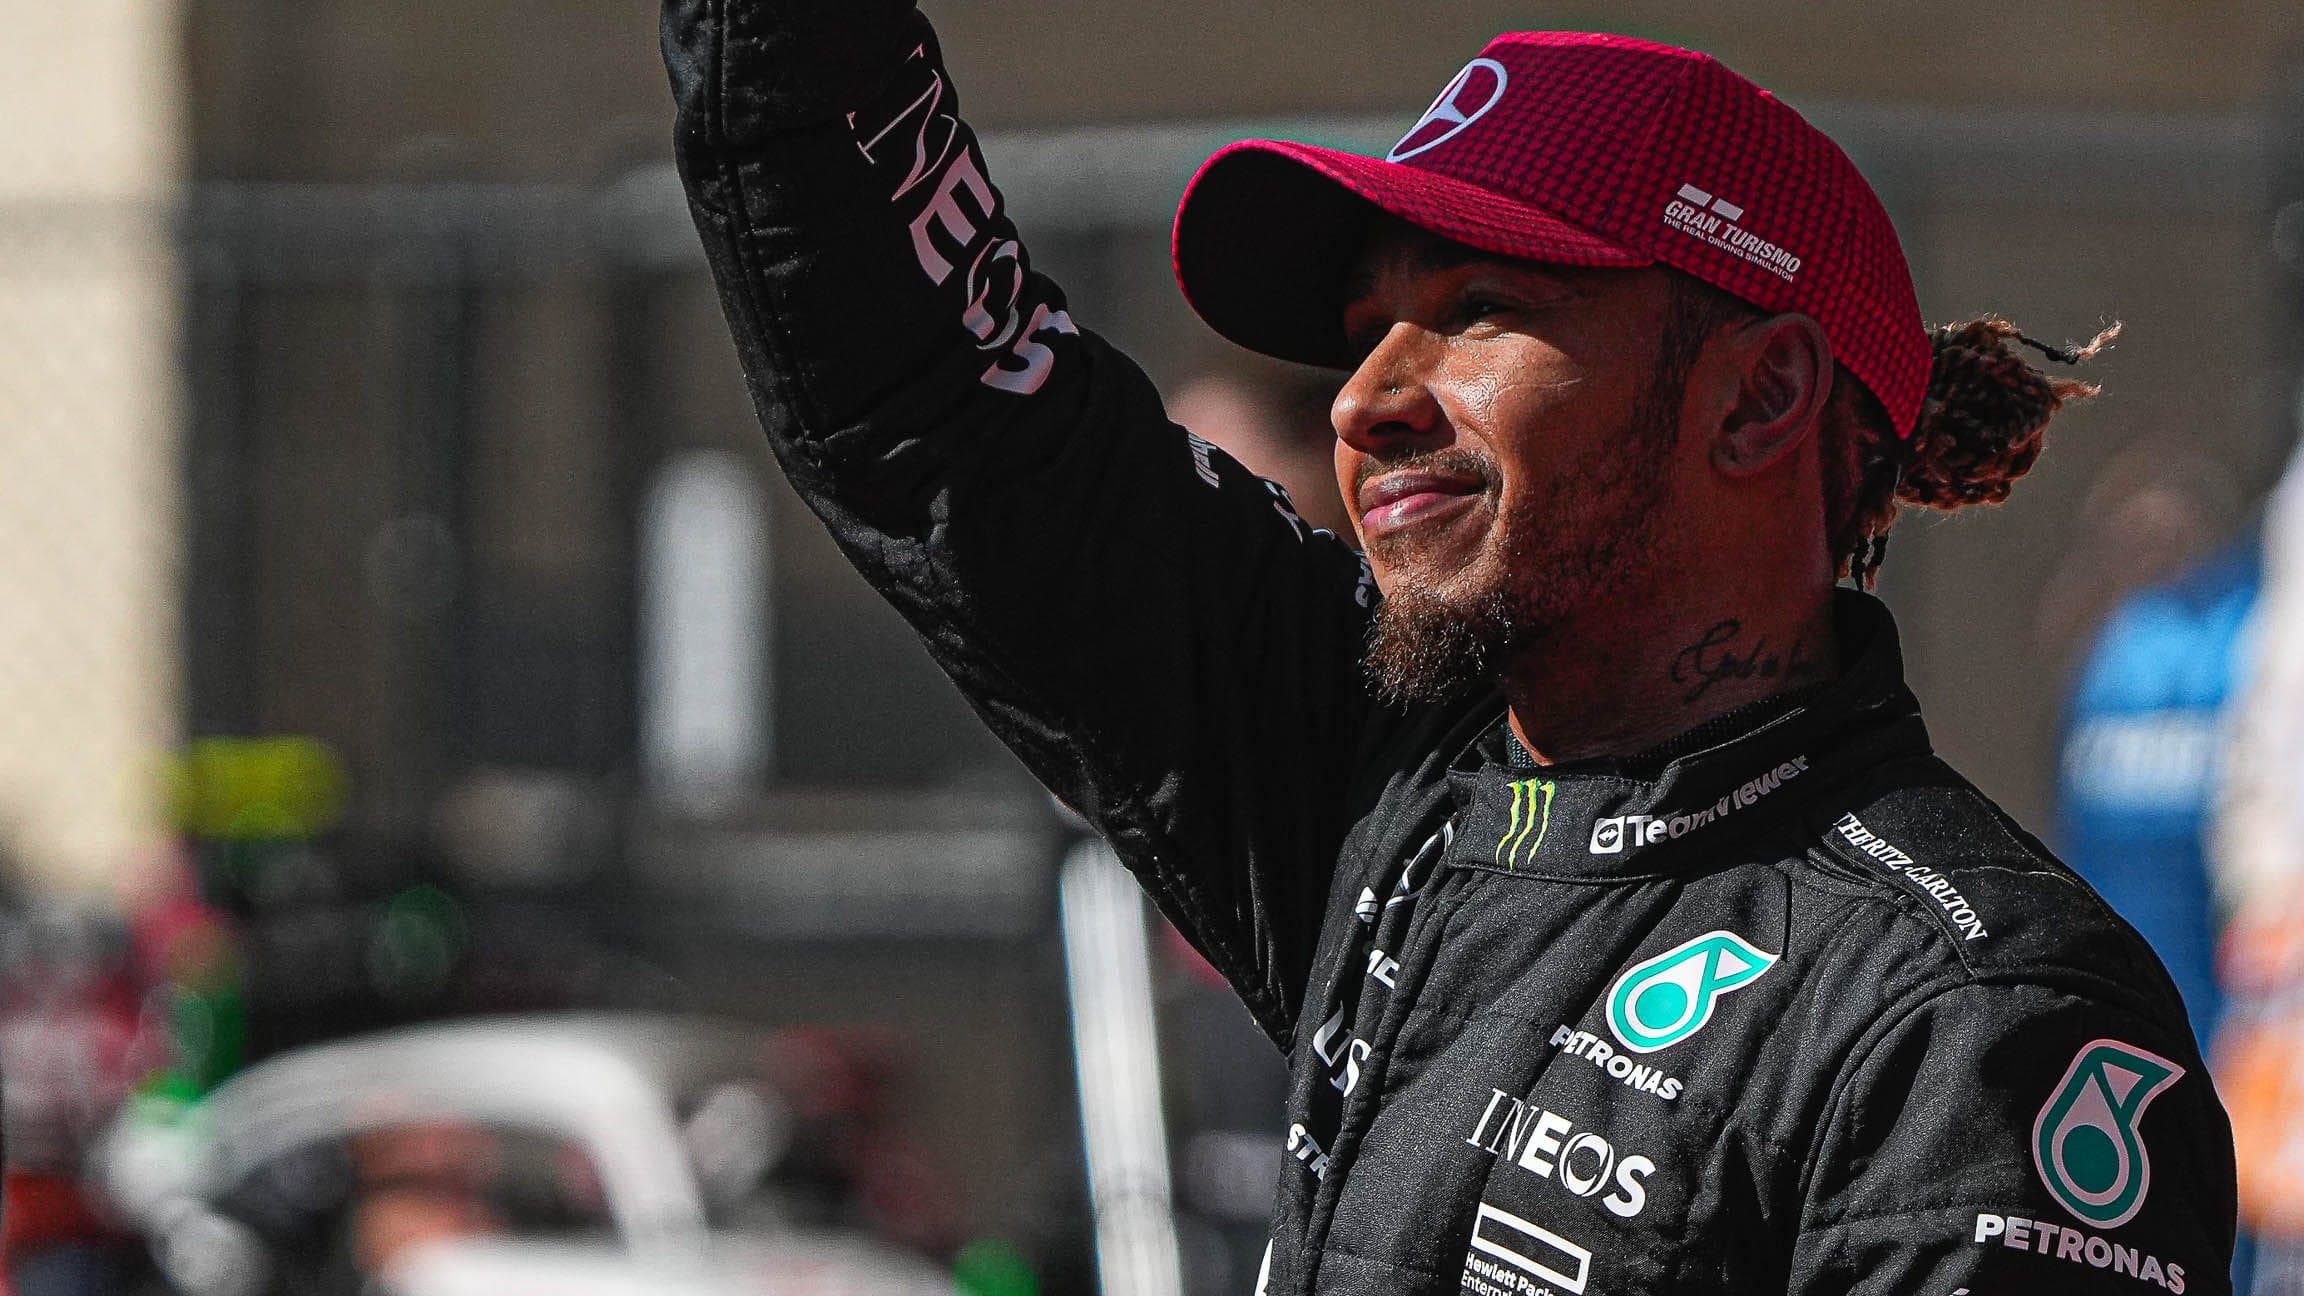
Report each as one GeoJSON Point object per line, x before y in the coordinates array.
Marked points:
{"type": "Point", "coordinates": [409, 645]}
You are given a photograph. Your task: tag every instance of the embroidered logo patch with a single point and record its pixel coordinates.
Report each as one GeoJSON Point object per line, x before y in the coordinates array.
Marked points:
{"type": "Point", "coordinates": [2085, 1140]}
{"type": "Point", "coordinates": [1467, 99]}
{"type": "Point", "coordinates": [1531, 814]}
{"type": "Point", "coordinates": [1661, 1001]}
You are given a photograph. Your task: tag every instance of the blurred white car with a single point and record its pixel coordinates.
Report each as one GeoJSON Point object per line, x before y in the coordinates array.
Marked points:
{"type": "Point", "coordinates": [566, 1155]}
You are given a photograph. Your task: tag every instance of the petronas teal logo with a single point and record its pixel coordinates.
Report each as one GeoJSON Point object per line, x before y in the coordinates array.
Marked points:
{"type": "Point", "coordinates": [1661, 1001]}
{"type": "Point", "coordinates": [1531, 819]}
{"type": "Point", "coordinates": [2085, 1140]}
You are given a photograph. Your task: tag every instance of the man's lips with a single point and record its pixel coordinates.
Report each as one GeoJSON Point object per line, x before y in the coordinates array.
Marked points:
{"type": "Point", "coordinates": [1401, 499]}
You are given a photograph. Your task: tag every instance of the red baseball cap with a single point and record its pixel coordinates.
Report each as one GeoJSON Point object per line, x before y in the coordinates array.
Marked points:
{"type": "Point", "coordinates": [1580, 149]}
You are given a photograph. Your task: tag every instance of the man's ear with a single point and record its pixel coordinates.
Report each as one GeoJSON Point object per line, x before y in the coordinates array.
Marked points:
{"type": "Point", "coordinates": [1783, 374]}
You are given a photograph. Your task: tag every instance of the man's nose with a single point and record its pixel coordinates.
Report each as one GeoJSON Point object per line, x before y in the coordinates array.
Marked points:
{"type": "Point", "coordinates": [1386, 406]}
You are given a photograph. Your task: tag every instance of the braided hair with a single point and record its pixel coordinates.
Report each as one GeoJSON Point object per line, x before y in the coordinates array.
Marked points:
{"type": "Point", "coordinates": [1981, 426]}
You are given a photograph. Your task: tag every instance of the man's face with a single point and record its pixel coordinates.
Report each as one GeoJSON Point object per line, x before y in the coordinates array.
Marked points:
{"type": "Point", "coordinates": [1505, 447]}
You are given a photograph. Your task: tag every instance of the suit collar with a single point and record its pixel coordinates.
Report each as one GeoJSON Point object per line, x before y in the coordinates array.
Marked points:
{"type": "Point", "coordinates": [1697, 793]}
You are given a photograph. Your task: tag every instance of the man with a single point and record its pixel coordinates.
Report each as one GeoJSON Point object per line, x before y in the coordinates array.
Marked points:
{"type": "Point", "coordinates": [1623, 933]}
{"type": "Point", "coordinates": [2142, 748]}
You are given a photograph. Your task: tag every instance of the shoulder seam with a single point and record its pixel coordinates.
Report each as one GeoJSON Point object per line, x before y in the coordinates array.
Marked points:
{"type": "Point", "coordinates": [1836, 1098]}
{"type": "Point", "coordinates": [2096, 988]}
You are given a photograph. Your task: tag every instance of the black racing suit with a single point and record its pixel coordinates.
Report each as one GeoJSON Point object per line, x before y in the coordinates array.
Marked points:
{"type": "Point", "coordinates": [1784, 1006]}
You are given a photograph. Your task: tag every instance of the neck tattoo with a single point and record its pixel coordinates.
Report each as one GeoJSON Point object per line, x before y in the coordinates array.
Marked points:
{"type": "Point", "coordinates": [1719, 655]}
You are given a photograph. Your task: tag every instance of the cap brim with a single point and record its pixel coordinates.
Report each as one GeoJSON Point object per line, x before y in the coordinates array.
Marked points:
{"type": "Point", "coordinates": [1268, 231]}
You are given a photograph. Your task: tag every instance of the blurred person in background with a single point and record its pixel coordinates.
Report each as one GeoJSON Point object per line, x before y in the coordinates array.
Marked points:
{"type": "Point", "coordinates": [2152, 514]}
{"type": "Point", "coordinates": [1636, 374]}
{"type": "Point", "coordinates": [2257, 839]}
{"type": "Point", "coordinates": [418, 1184]}
{"type": "Point", "coordinates": [1274, 420]}
{"type": "Point", "coordinates": [2144, 729]}
{"type": "Point", "coordinates": [852, 1164]}
{"type": "Point", "coordinates": [78, 1032]}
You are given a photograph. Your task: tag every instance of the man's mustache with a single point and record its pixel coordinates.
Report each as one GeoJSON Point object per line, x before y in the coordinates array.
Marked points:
{"type": "Point", "coordinates": [1448, 461]}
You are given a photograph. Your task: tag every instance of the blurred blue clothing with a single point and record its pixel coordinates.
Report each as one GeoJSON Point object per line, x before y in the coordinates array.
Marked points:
{"type": "Point", "coordinates": [2142, 746]}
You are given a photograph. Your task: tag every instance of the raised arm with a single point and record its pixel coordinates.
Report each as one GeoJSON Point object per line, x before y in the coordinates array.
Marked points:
{"type": "Point", "coordinates": [1146, 623]}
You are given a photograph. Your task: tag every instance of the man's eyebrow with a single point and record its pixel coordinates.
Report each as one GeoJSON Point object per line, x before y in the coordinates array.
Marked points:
{"type": "Point", "coordinates": [1441, 254]}
{"type": "Point", "coordinates": [1432, 255]}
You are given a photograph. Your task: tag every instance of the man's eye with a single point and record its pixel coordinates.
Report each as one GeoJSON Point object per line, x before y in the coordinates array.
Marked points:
{"type": "Point", "coordinates": [1473, 309]}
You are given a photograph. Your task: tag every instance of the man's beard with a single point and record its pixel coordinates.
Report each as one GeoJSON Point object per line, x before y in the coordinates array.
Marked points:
{"type": "Point", "coordinates": [1551, 558]}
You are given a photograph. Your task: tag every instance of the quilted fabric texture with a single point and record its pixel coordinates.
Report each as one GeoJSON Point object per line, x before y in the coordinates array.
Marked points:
{"type": "Point", "coordinates": [1578, 148]}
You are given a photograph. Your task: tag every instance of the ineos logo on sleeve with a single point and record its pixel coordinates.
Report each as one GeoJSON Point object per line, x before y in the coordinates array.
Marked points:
{"type": "Point", "coordinates": [1476, 89]}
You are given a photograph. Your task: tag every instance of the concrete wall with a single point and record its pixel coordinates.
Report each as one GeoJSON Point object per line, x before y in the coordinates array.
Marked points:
{"type": "Point", "coordinates": [1106, 61]}
{"type": "Point", "coordinates": [91, 157]}
{"type": "Point", "coordinates": [543, 88]}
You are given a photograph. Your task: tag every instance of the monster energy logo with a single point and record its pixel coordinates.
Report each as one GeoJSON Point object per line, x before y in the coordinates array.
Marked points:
{"type": "Point", "coordinates": [1527, 817]}
{"type": "Point", "coordinates": [2085, 1141]}
{"type": "Point", "coordinates": [1664, 1000]}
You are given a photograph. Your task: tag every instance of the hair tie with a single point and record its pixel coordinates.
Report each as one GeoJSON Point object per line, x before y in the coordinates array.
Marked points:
{"type": "Point", "coordinates": [2073, 355]}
